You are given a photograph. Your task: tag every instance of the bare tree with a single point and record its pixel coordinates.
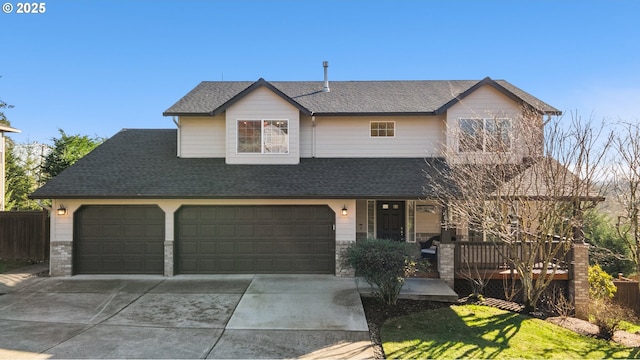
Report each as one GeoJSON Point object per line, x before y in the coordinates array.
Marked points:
{"type": "Point", "coordinates": [626, 186]}
{"type": "Point", "coordinates": [525, 191]}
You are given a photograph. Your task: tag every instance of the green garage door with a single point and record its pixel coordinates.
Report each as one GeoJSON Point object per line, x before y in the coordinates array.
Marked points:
{"type": "Point", "coordinates": [288, 239]}
{"type": "Point", "coordinates": [123, 239]}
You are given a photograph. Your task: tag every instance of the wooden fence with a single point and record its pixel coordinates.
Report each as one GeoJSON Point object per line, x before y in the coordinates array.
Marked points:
{"type": "Point", "coordinates": [24, 235]}
{"type": "Point", "coordinates": [628, 294]}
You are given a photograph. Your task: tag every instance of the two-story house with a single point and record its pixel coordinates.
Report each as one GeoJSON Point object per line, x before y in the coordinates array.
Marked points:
{"type": "Point", "coordinates": [274, 177]}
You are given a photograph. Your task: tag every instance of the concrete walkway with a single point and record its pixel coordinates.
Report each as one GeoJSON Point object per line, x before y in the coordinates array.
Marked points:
{"type": "Point", "coordinates": [234, 316]}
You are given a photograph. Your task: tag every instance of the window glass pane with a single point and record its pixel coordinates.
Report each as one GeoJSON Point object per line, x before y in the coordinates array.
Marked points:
{"type": "Point", "coordinates": [371, 218]}
{"type": "Point", "coordinates": [276, 136]}
{"type": "Point", "coordinates": [382, 128]}
{"type": "Point", "coordinates": [471, 135]}
{"type": "Point", "coordinates": [411, 220]}
{"type": "Point", "coordinates": [249, 136]}
{"type": "Point", "coordinates": [498, 135]}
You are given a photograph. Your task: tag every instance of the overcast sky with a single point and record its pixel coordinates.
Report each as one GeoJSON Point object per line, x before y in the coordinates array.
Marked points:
{"type": "Point", "coordinates": [95, 67]}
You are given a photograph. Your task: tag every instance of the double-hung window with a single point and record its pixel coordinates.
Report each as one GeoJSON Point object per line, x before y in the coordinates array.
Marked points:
{"type": "Point", "coordinates": [382, 128]}
{"type": "Point", "coordinates": [263, 136]}
{"type": "Point", "coordinates": [478, 135]}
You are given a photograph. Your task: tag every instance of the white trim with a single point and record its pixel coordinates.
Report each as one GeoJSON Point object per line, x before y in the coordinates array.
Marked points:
{"type": "Point", "coordinates": [484, 138]}
{"type": "Point", "coordinates": [262, 121]}
{"type": "Point", "coordinates": [395, 129]}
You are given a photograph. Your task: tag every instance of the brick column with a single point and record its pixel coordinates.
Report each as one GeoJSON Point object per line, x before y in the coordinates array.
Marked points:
{"type": "Point", "coordinates": [168, 258]}
{"type": "Point", "coordinates": [446, 266]}
{"type": "Point", "coordinates": [341, 269]}
{"type": "Point", "coordinates": [61, 259]}
{"type": "Point", "coordinates": [579, 279]}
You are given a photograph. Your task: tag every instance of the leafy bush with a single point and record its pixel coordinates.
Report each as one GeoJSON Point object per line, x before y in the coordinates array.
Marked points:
{"type": "Point", "coordinates": [601, 284]}
{"type": "Point", "coordinates": [383, 263]}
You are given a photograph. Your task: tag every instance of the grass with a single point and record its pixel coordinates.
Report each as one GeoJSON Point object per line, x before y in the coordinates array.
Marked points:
{"type": "Point", "coordinates": [481, 332]}
{"type": "Point", "coordinates": [8, 265]}
{"type": "Point", "coordinates": [630, 327]}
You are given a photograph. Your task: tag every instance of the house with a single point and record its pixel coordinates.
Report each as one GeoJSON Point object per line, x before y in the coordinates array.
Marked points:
{"type": "Point", "coordinates": [276, 177]}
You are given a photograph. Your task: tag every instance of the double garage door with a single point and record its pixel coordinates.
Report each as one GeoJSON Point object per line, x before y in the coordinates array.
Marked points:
{"type": "Point", "coordinates": [208, 239]}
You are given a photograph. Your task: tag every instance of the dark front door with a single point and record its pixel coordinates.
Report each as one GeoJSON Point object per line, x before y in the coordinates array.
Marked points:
{"type": "Point", "coordinates": [391, 220]}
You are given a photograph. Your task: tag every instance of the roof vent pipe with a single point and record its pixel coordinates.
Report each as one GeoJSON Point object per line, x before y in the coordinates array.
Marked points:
{"type": "Point", "coordinates": [325, 64]}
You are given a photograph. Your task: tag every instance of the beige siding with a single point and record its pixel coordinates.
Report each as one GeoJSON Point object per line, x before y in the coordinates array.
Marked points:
{"type": "Point", "coordinates": [306, 137]}
{"type": "Point", "coordinates": [262, 104]}
{"type": "Point", "coordinates": [485, 102]}
{"type": "Point", "coordinates": [202, 136]}
{"type": "Point", "coordinates": [415, 136]}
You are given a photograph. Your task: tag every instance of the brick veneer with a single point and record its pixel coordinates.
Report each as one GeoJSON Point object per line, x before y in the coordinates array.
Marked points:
{"type": "Point", "coordinates": [168, 258]}
{"type": "Point", "coordinates": [341, 269]}
{"type": "Point", "coordinates": [579, 280]}
{"type": "Point", "coordinates": [446, 267]}
{"type": "Point", "coordinates": [61, 258]}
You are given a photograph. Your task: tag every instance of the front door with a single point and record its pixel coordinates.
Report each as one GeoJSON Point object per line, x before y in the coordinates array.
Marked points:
{"type": "Point", "coordinates": [390, 220]}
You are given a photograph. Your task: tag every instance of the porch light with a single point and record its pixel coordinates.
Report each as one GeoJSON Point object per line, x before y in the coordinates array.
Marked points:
{"type": "Point", "coordinates": [344, 210]}
{"type": "Point", "coordinates": [62, 210]}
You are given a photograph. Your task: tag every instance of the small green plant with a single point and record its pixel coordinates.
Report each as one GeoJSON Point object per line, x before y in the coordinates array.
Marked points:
{"type": "Point", "coordinates": [383, 263]}
{"type": "Point", "coordinates": [601, 284]}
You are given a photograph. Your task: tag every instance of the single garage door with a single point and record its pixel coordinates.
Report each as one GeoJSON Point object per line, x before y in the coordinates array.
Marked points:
{"type": "Point", "coordinates": [255, 239]}
{"type": "Point", "coordinates": [127, 239]}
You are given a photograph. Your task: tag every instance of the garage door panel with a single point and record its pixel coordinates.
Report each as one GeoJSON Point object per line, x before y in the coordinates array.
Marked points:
{"type": "Point", "coordinates": [206, 230]}
{"type": "Point", "coordinates": [119, 239]}
{"type": "Point", "coordinates": [257, 239]}
{"type": "Point", "coordinates": [245, 230]}
{"type": "Point", "coordinates": [264, 248]}
{"type": "Point", "coordinates": [225, 230]}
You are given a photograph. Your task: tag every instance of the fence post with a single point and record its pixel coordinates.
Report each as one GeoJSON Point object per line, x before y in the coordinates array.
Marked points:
{"type": "Point", "coordinates": [579, 279]}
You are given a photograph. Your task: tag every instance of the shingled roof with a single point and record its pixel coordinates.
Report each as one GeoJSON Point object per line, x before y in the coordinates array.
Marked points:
{"type": "Point", "coordinates": [143, 164]}
{"type": "Point", "coordinates": [424, 97]}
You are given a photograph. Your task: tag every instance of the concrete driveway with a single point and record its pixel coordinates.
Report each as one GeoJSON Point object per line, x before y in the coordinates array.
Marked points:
{"type": "Point", "coordinates": [213, 317]}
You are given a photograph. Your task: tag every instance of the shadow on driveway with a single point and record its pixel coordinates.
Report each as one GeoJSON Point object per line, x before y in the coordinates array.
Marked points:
{"type": "Point", "coordinates": [212, 316]}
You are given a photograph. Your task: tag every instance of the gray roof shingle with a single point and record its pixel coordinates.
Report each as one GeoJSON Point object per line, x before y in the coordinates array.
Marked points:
{"type": "Point", "coordinates": [350, 97]}
{"type": "Point", "coordinates": [143, 164]}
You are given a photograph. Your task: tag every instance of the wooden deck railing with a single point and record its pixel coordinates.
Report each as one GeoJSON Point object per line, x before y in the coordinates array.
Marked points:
{"type": "Point", "coordinates": [492, 256]}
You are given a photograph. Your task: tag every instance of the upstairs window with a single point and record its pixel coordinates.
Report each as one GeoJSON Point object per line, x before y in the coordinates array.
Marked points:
{"type": "Point", "coordinates": [484, 135]}
{"type": "Point", "coordinates": [263, 136]}
{"type": "Point", "coordinates": [382, 128]}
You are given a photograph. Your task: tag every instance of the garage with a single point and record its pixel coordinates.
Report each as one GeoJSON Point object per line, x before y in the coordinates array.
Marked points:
{"type": "Point", "coordinates": [273, 239]}
{"type": "Point", "coordinates": [119, 239]}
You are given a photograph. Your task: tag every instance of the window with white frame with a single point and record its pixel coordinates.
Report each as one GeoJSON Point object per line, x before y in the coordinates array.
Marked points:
{"type": "Point", "coordinates": [263, 136]}
{"type": "Point", "coordinates": [489, 135]}
{"type": "Point", "coordinates": [382, 128]}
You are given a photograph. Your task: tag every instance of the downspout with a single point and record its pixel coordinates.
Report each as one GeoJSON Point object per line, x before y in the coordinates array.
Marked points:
{"type": "Point", "coordinates": [313, 136]}
{"type": "Point", "coordinates": [177, 122]}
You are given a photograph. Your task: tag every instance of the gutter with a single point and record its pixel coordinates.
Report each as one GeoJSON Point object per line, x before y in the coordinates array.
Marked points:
{"type": "Point", "coordinates": [39, 202]}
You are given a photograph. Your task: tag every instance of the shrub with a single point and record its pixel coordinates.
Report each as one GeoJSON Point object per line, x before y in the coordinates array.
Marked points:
{"type": "Point", "coordinates": [608, 315]}
{"type": "Point", "coordinates": [384, 264]}
{"type": "Point", "coordinates": [555, 303]}
{"type": "Point", "coordinates": [601, 284]}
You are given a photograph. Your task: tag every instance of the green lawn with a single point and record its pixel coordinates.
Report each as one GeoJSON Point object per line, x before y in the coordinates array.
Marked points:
{"type": "Point", "coordinates": [481, 332]}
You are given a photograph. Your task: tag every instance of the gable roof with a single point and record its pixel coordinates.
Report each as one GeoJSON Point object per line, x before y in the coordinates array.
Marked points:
{"type": "Point", "coordinates": [415, 97]}
{"type": "Point", "coordinates": [143, 164]}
